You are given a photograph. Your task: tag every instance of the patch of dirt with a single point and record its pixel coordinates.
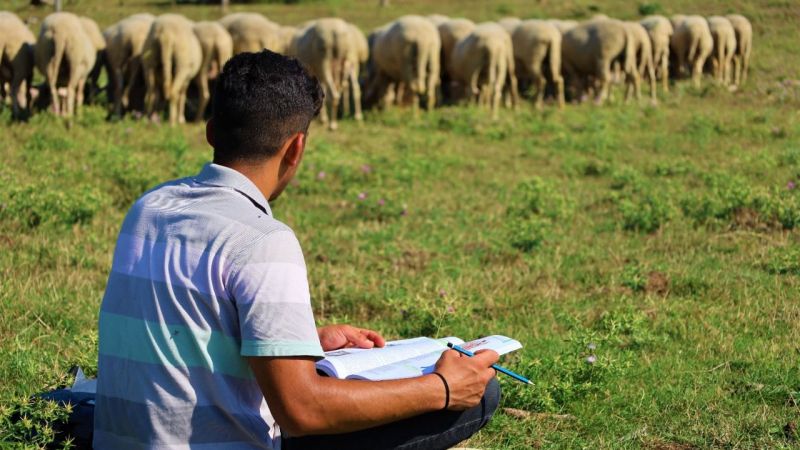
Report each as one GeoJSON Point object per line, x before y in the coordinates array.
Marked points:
{"type": "Point", "coordinates": [749, 219]}
{"type": "Point", "coordinates": [412, 259]}
{"type": "Point", "coordinates": [657, 283]}
{"type": "Point", "coordinates": [790, 431]}
{"type": "Point", "coordinates": [6, 241]}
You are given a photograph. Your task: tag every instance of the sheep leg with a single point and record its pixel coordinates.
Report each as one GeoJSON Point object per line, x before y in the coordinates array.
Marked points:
{"type": "Point", "coordinates": [201, 81]}
{"type": "Point", "coordinates": [430, 91]}
{"type": "Point", "coordinates": [665, 70]}
{"type": "Point", "coordinates": [182, 103]}
{"type": "Point", "coordinates": [555, 73]}
{"type": "Point", "coordinates": [116, 82]}
{"type": "Point", "coordinates": [133, 71]}
{"type": "Point", "coordinates": [18, 97]}
{"type": "Point", "coordinates": [356, 92]}
{"type": "Point", "coordinates": [80, 94]}
{"type": "Point", "coordinates": [541, 82]}
{"type": "Point", "coordinates": [745, 62]}
{"type": "Point", "coordinates": [345, 100]}
{"type": "Point", "coordinates": [604, 70]}
{"type": "Point", "coordinates": [737, 70]}
{"type": "Point", "coordinates": [150, 94]}
{"type": "Point", "coordinates": [176, 96]}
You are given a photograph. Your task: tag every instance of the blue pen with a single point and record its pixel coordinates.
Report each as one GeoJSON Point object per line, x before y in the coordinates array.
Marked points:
{"type": "Point", "coordinates": [496, 367]}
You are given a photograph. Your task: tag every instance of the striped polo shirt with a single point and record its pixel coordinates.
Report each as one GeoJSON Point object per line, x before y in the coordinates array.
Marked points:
{"type": "Point", "coordinates": [202, 277]}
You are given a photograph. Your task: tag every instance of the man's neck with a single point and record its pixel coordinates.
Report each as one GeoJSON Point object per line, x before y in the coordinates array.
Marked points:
{"type": "Point", "coordinates": [263, 174]}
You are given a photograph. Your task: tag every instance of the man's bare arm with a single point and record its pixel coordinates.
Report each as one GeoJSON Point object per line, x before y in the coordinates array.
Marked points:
{"type": "Point", "coordinates": [304, 402]}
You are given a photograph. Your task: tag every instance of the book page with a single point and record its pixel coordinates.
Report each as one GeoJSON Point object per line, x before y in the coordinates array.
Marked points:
{"type": "Point", "coordinates": [500, 344]}
{"type": "Point", "coordinates": [409, 368]}
{"type": "Point", "coordinates": [348, 361]}
{"type": "Point", "coordinates": [424, 364]}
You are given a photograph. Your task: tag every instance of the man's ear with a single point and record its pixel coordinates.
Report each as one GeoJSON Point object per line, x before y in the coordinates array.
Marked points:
{"type": "Point", "coordinates": [210, 132]}
{"type": "Point", "coordinates": [295, 149]}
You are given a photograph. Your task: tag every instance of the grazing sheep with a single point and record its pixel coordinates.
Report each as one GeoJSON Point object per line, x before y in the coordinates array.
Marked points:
{"type": "Point", "coordinates": [98, 41]}
{"type": "Point", "coordinates": [660, 30]}
{"type": "Point", "coordinates": [691, 44]}
{"type": "Point", "coordinates": [644, 55]}
{"type": "Point", "coordinates": [483, 61]}
{"type": "Point", "coordinates": [535, 42]}
{"type": "Point", "coordinates": [588, 51]}
{"type": "Point", "coordinates": [124, 47]}
{"type": "Point", "coordinates": [217, 47]}
{"type": "Point", "coordinates": [65, 55]}
{"type": "Point", "coordinates": [357, 55]}
{"type": "Point", "coordinates": [16, 63]}
{"type": "Point", "coordinates": [724, 48]}
{"type": "Point", "coordinates": [563, 25]}
{"type": "Point", "coordinates": [171, 59]}
{"type": "Point", "coordinates": [509, 23]}
{"type": "Point", "coordinates": [451, 32]}
{"type": "Point", "coordinates": [407, 53]}
{"type": "Point", "coordinates": [744, 45]}
{"type": "Point", "coordinates": [324, 48]}
{"type": "Point", "coordinates": [253, 32]}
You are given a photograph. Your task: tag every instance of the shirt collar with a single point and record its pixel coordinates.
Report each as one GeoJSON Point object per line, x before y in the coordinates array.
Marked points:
{"type": "Point", "coordinates": [217, 175]}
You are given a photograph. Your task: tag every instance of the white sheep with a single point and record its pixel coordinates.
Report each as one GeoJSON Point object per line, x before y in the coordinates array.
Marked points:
{"type": "Point", "coordinates": [217, 47]}
{"type": "Point", "coordinates": [406, 53]}
{"type": "Point", "coordinates": [660, 30]}
{"type": "Point", "coordinates": [483, 61]}
{"type": "Point", "coordinates": [325, 49]}
{"type": "Point", "coordinates": [65, 55]}
{"type": "Point", "coordinates": [691, 44]}
{"type": "Point", "coordinates": [724, 48]}
{"type": "Point", "coordinates": [537, 41]}
{"type": "Point", "coordinates": [171, 59]}
{"type": "Point", "coordinates": [124, 47]}
{"type": "Point", "coordinates": [252, 32]}
{"type": "Point", "coordinates": [16, 62]}
{"type": "Point", "coordinates": [587, 53]}
{"type": "Point", "coordinates": [643, 48]}
{"type": "Point", "coordinates": [744, 45]}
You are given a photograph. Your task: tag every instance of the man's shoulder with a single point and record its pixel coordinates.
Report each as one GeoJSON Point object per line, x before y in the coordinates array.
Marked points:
{"type": "Point", "coordinates": [211, 213]}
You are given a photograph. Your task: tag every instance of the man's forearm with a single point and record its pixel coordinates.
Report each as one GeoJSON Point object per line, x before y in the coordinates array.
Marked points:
{"type": "Point", "coordinates": [304, 403]}
{"type": "Point", "coordinates": [352, 405]}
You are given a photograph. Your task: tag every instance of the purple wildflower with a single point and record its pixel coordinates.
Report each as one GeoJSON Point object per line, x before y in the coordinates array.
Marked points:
{"type": "Point", "coordinates": [442, 292]}
{"type": "Point", "coordinates": [362, 195]}
{"type": "Point", "coordinates": [450, 309]}
{"type": "Point", "coordinates": [381, 202]}
{"type": "Point", "coordinates": [591, 359]}
{"type": "Point", "coordinates": [790, 185]}
{"type": "Point", "coordinates": [321, 175]}
{"type": "Point", "coordinates": [366, 168]}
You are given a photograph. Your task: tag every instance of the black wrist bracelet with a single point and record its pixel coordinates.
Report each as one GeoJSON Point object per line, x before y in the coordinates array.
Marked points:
{"type": "Point", "coordinates": [446, 390]}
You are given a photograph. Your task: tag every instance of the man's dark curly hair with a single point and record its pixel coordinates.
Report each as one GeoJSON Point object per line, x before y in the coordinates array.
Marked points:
{"type": "Point", "coordinates": [260, 100]}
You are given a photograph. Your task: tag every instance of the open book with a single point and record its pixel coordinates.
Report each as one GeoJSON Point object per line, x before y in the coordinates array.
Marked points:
{"type": "Point", "coordinates": [405, 358]}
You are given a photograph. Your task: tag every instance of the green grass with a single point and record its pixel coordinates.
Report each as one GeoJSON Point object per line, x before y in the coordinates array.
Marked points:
{"type": "Point", "coordinates": [663, 241]}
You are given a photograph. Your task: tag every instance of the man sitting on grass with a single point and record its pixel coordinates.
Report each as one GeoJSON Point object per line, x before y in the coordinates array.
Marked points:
{"type": "Point", "coordinates": [207, 337]}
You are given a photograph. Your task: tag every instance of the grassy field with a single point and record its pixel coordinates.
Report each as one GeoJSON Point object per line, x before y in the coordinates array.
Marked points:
{"type": "Point", "coordinates": [647, 257]}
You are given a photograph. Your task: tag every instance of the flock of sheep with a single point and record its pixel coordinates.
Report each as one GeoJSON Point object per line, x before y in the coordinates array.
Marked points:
{"type": "Point", "coordinates": [414, 59]}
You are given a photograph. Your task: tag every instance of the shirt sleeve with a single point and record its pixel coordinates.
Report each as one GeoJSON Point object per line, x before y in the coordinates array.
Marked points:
{"type": "Point", "coordinates": [270, 289]}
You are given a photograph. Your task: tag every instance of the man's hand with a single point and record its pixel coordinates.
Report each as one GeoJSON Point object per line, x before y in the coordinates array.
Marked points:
{"type": "Point", "coordinates": [334, 337]}
{"type": "Point", "coordinates": [467, 377]}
